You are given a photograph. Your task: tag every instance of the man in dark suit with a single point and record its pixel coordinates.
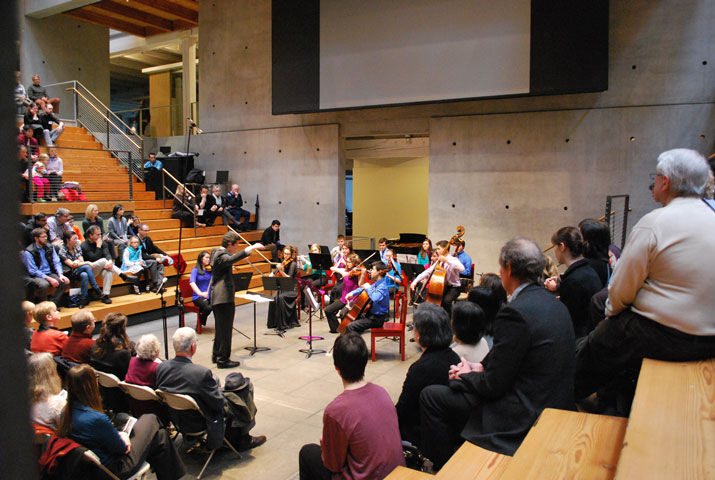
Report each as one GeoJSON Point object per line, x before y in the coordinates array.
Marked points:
{"type": "Point", "coordinates": [223, 294]}
{"type": "Point", "coordinates": [530, 367]}
{"type": "Point", "coordinates": [181, 375]}
{"type": "Point", "coordinates": [152, 255]}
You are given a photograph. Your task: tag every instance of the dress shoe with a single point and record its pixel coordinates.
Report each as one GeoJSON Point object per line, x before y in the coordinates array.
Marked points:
{"type": "Point", "coordinates": [227, 364]}
{"type": "Point", "coordinates": [213, 359]}
{"type": "Point", "coordinates": [252, 443]}
{"type": "Point", "coordinates": [96, 293]}
{"type": "Point", "coordinates": [84, 302]}
{"type": "Point", "coordinates": [105, 299]}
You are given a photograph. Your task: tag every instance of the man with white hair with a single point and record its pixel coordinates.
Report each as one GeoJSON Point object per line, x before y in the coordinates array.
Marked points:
{"type": "Point", "coordinates": [181, 375]}
{"type": "Point", "coordinates": [660, 302]}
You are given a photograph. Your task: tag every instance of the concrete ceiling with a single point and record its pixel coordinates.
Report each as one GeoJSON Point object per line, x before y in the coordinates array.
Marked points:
{"type": "Point", "coordinates": [143, 18]}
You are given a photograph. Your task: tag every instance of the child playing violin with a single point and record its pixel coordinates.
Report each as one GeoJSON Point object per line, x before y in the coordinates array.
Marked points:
{"type": "Point", "coordinates": [352, 277]}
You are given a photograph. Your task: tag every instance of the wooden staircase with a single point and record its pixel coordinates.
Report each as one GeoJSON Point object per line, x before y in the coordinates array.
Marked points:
{"type": "Point", "coordinates": [105, 182]}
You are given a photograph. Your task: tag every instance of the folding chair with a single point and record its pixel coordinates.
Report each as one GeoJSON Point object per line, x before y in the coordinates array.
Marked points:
{"type": "Point", "coordinates": [143, 400]}
{"type": "Point", "coordinates": [179, 405]}
{"type": "Point", "coordinates": [92, 457]}
{"type": "Point", "coordinates": [112, 395]}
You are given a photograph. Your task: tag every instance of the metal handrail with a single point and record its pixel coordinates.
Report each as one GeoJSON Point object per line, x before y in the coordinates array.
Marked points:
{"type": "Point", "coordinates": [105, 117]}
{"type": "Point", "coordinates": [181, 201]}
{"type": "Point", "coordinates": [103, 105]}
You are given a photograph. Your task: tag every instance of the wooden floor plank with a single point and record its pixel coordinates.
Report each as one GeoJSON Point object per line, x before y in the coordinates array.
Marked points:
{"type": "Point", "coordinates": [471, 462]}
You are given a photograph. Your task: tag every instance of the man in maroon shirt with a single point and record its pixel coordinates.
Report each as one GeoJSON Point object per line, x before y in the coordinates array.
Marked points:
{"type": "Point", "coordinates": [361, 437]}
{"type": "Point", "coordinates": [78, 345]}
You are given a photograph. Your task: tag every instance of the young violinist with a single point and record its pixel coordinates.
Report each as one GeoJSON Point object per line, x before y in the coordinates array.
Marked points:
{"type": "Point", "coordinates": [282, 313]}
{"type": "Point", "coordinates": [453, 266]}
{"type": "Point", "coordinates": [393, 277]}
{"type": "Point", "coordinates": [337, 290]}
{"type": "Point", "coordinates": [379, 295]}
{"type": "Point", "coordinates": [353, 276]}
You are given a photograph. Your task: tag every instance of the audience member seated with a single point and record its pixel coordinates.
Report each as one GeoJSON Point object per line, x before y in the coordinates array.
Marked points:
{"type": "Point", "coordinates": [493, 404]}
{"type": "Point", "coordinates": [113, 349]}
{"type": "Point", "coordinates": [133, 225]}
{"type": "Point", "coordinates": [185, 207]}
{"type": "Point", "coordinates": [464, 259]}
{"type": "Point", "coordinates": [21, 99]}
{"type": "Point", "coordinates": [47, 338]}
{"type": "Point", "coordinates": [27, 139]}
{"type": "Point", "coordinates": [361, 436]}
{"type": "Point", "coordinates": [596, 240]}
{"type": "Point", "coordinates": [43, 269]}
{"type": "Point", "coordinates": [425, 253]}
{"type": "Point", "coordinates": [38, 94]}
{"type": "Point", "coordinates": [578, 283]}
{"type": "Point", "coordinates": [58, 224]}
{"type": "Point", "coordinates": [28, 309]}
{"type": "Point", "coordinates": [33, 120]}
{"type": "Point", "coordinates": [216, 206]}
{"type": "Point", "coordinates": [97, 253]}
{"type": "Point", "coordinates": [152, 255]}
{"type": "Point", "coordinates": [40, 181]}
{"type": "Point", "coordinates": [38, 220]}
{"type": "Point", "coordinates": [352, 279]}
{"type": "Point", "coordinates": [433, 335]}
{"type": "Point", "coordinates": [55, 170]}
{"type": "Point", "coordinates": [152, 173]}
{"type": "Point", "coordinates": [181, 375]}
{"type": "Point", "coordinates": [282, 312]}
{"type": "Point", "coordinates": [200, 282]}
{"type": "Point", "coordinates": [234, 205]}
{"type": "Point", "coordinates": [660, 303]}
{"type": "Point", "coordinates": [133, 264]}
{"type": "Point", "coordinates": [469, 324]}
{"type": "Point", "coordinates": [48, 119]}
{"type": "Point", "coordinates": [142, 367]}
{"type": "Point", "coordinates": [117, 230]}
{"type": "Point", "coordinates": [271, 239]}
{"type": "Point", "coordinates": [78, 346]}
{"type": "Point", "coordinates": [24, 163]}
{"type": "Point", "coordinates": [84, 422]}
{"type": "Point", "coordinates": [91, 217]}
{"type": "Point", "coordinates": [77, 269]}
{"type": "Point", "coordinates": [376, 315]}
{"type": "Point", "coordinates": [489, 295]}
{"type": "Point", "coordinates": [47, 398]}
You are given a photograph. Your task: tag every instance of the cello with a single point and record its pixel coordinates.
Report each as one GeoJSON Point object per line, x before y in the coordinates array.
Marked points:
{"type": "Point", "coordinates": [435, 291]}
{"type": "Point", "coordinates": [359, 305]}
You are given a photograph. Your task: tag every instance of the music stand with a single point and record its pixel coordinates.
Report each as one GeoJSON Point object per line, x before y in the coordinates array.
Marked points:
{"type": "Point", "coordinates": [412, 270]}
{"type": "Point", "coordinates": [241, 281]}
{"type": "Point", "coordinates": [363, 254]}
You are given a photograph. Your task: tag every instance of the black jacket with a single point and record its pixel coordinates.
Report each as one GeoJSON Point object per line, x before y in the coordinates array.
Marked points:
{"type": "Point", "coordinates": [149, 248]}
{"type": "Point", "coordinates": [271, 236]}
{"type": "Point", "coordinates": [222, 288]}
{"type": "Point", "coordinates": [432, 368]}
{"type": "Point", "coordinates": [578, 284]}
{"type": "Point", "coordinates": [91, 253]}
{"type": "Point", "coordinates": [529, 368]}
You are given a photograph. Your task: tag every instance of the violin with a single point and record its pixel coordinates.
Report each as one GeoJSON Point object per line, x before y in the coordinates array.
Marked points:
{"type": "Point", "coordinates": [280, 269]}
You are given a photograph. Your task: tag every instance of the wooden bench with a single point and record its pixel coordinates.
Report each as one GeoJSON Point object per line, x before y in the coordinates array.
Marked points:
{"type": "Point", "coordinates": [471, 462]}
{"type": "Point", "coordinates": [671, 430]}
{"type": "Point", "coordinates": [564, 444]}
{"type": "Point", "coordinates": [404, 473]}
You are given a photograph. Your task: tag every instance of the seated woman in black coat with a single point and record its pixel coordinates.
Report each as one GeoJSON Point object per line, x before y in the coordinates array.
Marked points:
{"type": "Point", "coordinates": [434, 335]}
{"type": "Point", "coordinates": [113, 349]}
{"type": "Point", "coordinates": [578, 283]}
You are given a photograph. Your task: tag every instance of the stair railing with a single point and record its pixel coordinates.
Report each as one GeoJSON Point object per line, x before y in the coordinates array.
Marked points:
{"type": "Point", "coordinates": [109, 130]}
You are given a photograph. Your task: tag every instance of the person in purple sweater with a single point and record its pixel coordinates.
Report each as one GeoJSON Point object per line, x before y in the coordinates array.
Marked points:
{"type": "Point", "coordinates": [361, 437]}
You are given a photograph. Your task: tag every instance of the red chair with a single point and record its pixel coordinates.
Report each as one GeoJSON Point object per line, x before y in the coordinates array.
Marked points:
{"type": "Point", "coordinates": [186, 293]}
{"type": "Point", "coordinates": [392, 329]}
{"type": "Point", "coordinates": [401, 297]}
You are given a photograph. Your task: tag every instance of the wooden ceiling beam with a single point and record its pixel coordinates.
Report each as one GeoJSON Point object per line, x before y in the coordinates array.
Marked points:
{"type": "Point", "coordinates": [174, 10]}
{"type": "Point", "coordinates": [105, 21]}
{"type": "Point", "coordinates": [133, 15]}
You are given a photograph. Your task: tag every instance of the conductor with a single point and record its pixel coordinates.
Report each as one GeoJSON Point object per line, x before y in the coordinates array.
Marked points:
{"type": "Point", "coordinates": [223, 294]}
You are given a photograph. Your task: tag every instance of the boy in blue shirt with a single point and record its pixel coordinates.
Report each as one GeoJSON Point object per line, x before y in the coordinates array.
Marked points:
{"type": "Point", "coordinates": [379, 295]}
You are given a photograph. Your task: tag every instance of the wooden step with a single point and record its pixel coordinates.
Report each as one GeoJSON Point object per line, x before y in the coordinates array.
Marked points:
{"type": "Point", "coordinates": [121, 197]}
{"type": "Point", "coordinates": [115, 171]}
{"type": "Point", "coordinates": [471, 462]}
{"type": "Point", "coordinates": [76, 208]}
{"type": "Point", "coordinates": [67, 144]}
{"type": "Point", "coordinates": [564, 444]}
{"type": "Point", "coordinates": [162, 223]}
{"type": "Point", "coordinates": [404, 473]}
{"type": "Point", "coordinates": [173, 233]}
{"type": "Point", "coordinates": [671, 430]}
{"type": "Point", "coordinates": [154, 214]}
{"type": "Point", "coordinates": [150, 205]}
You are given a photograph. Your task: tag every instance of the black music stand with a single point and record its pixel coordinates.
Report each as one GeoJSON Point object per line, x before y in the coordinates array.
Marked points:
{"type": "Point", "coordinates": [278, 284]}
{"type": "Point", "coordinates": [363, 254]}
{"type": "Point", "coordinates": [412, 270]}
{"type": "Point", "coordinates": [241, 281]}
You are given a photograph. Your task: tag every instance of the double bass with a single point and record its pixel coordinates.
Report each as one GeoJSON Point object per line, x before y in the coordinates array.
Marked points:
{"type": "Point", "coordinates": [436, 281]}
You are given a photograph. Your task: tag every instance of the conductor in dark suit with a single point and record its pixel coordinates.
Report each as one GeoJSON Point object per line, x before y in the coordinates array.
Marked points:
{"type": "Point", "coordinates": [530, 367]}
{"type": "Point", "coordinates": [181, 375]}
{"type": "Point", "coordinates": [223, 294]}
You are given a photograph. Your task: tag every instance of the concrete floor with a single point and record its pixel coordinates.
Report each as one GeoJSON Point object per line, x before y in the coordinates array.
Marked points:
{"type": "Point", "coordinates": [291, 390]}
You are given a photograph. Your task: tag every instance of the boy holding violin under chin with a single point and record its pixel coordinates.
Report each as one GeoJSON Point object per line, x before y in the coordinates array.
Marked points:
{"type": "Point", "coordinates": [379, 296]}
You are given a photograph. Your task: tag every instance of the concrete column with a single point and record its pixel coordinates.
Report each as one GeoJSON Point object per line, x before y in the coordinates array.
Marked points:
{"type": "Point", "coordinates": [188, 77]}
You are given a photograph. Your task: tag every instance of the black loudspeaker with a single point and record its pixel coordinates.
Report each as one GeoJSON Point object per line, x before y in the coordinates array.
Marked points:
{"type": "Point", "coordinates": [165, 150]}
{"type": "Point", "coordinates": [221, 176]}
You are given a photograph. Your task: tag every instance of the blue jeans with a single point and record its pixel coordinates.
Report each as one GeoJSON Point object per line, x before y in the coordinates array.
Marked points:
{"type": "Point", "coordinates": [86, 277]}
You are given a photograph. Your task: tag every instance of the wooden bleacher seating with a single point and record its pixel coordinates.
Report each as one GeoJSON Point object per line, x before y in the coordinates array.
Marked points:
{"type": "Point", "coordinates": [564, 444]}
{"type": "Point", "coordinates": [471, 462]}
{"type": "Point", "coordinates": [671, 430]}
{"type": "Point", "coordinates": [105, 182]}
{"type": "Point", "coordinates": [403, 473]}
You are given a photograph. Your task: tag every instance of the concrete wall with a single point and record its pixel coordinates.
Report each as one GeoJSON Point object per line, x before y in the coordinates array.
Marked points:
{"type": "Point", "coordinates": [660, 92]}
{"type": "Point", "coordinates": [59, 48]}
